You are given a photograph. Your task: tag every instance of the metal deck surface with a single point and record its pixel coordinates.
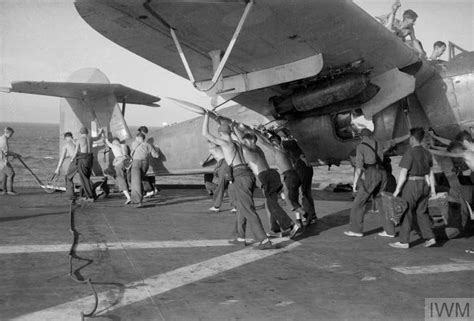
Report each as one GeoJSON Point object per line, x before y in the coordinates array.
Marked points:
{"type": "Point", "coordinates": [171, 261]}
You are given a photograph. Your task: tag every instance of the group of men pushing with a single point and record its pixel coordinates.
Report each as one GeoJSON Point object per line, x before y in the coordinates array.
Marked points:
{"type": "Point", "coordinates": [130, 167]}
{"type": "Point", "coordinates": [241, 161]}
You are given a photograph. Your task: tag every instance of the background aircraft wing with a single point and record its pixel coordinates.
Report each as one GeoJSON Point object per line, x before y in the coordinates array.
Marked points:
{"type": "Point", "coordinates": [81, 90]}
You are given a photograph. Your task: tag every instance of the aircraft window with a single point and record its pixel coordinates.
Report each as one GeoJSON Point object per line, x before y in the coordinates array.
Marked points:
{"type": "Point", "coordinates": [349, 124]}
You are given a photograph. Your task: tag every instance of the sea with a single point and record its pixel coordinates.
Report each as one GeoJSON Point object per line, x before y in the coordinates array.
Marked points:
{"type": "Point", "coordinates": [39, 146]}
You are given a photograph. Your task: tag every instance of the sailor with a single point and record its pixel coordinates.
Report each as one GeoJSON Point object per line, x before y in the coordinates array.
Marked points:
{"type": "Point", "coordinates": [368, 160]}
{"type": "Point", "coordinates": [82, 163]}
{"type": "Point", "coordinates": [403, 29]}
{"type": "Point", "coordinates": [67, 151]}
{"type": "Point", "coordinates": [281, 224]}
{"type": "Point", "coordinates": [243, 181]}
{"type": "Point", "coordinates": [7, 174]}
{"type": "Point", "coordinates": [220, 172]}
{"type": "Point", "coordinates": [439, 47]}
{"type": "Point", "coordinates": [415, 183]}
{"type": "Point", "coordinates": [141, 150]}
{"type": "Point", "coordinates": [149, 182]}
{"type": "Point", "coordinates": [120, 152]}
{"type": "Point", "coordinates": [305, 172]}
{"type": "Point", "coordinates": [290, 176]}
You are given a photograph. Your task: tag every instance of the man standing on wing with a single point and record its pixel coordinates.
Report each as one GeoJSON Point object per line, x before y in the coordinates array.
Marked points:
{"type": "Point", "coordinates": [281, 223]}
{"type": "Point", "coordinates": [243, 184]}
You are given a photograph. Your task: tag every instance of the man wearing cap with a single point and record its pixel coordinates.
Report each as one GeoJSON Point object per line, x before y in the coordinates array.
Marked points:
{"type": "Point", "coordinates": [243, 185]}
{"type": "Point", "coordinates": [7, 174]}
{"type": "Point", "coordinates": [368, 160]}
{"type": "Point", "coordinates": [415, 183]}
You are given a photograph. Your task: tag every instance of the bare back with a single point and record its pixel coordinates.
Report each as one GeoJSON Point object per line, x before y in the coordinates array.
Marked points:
{"type": "Point", "coordinates": [282, 160]}
{"type": "Point", "coordinates": [69, 147]}
{"type": "Point", "coordinates": [256, 159]}
{"type": "Point", "coordinates": [231, 154]}
{"type": "Point", "coordinates": [85, 144]}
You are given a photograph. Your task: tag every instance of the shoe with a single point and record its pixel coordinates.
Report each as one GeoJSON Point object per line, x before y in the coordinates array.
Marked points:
{"type": "Point", "coordinates": [149, 194]}
{"type": "Point", "coordinates": [350, 233]}
{"type": "Point", "coordinates": [268, 245]}
{"type": "Point", "coordinates": [294, 230]}
{"type": "Point", "coordinates": [127, 202]}
{"type": "Point", "coordinates": [238, 241]}
{"type": "Point", "coordinates": [286, 233]}
{"type": "Point", "coordinates": [399, 245]}
{"type": "Point", "coordinates": [430, 242]}
{"type": "Point", "coordinates": [313, 221]}
{"type": "Point", "coordinates": [3, 193]}
{"type": "Point", "coordinates": [234, 210]}
{"type": "Point", "coordinates": [12, 193]}
{"type": "Point", "coordinates": [139, 205]}
{"type": "Point", "coordinates": [214, 209]}
{"type": "Point", "coordinates": [274, 234]}
{"type": "Point", "coordinates": [385, 234]}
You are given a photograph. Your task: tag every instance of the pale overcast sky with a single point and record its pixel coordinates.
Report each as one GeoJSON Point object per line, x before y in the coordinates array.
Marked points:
{"type": "Point", "coordinates": [48, 40]}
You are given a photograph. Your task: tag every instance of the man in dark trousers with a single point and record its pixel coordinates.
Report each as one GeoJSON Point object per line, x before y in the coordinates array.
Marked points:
{"type": "Point", "coordinates": [141, 151]}
{"type": "Point", "coordinates": [222, 181]}
{"type": "Point", "coordinates": [82, 163]}
{"type": "Point", "coordinates": [368, 160]}
{"type": "Point", "coordinates": [281, 223]}
{"type": "Point", "coordinates": [305, 172]}
{"type": "Point", "coordinates": [243, 185]}
{"type": "Point", "coordinates": [416, 183]}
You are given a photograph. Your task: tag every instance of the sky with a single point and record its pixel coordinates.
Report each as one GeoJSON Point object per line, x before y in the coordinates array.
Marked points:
{"type": "Point", "coordinates": [48, 40]}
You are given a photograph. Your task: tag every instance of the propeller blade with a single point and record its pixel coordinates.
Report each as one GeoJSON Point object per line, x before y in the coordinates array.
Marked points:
{"type": "Point", "coordinates": [189, 106]}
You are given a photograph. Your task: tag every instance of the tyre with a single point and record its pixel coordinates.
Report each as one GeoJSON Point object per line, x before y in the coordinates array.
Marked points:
{"type": "Point", "coordinates": [101, 189]}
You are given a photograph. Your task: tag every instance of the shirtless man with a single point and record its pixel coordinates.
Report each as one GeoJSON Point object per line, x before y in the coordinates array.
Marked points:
{"type": "Point", "coordinates": [281, 223]}
{"type": "Point", "coordinates": [404, 28]}
{"type": "Point", "coordinates": [7, 174]}
{"type": "Point", "coordinates": [244, 185]}
{"type": "Point", "coordinates": [82, 162]}
{"type": "Point", "coordinates": [120, 152]}
{"type": "Point", "coordinates": [68, 150]}
{"type": "Point", "coordinates": [220, 172]}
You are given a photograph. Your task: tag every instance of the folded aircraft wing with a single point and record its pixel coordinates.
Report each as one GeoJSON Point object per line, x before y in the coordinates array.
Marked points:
{"type": "Point", "coordinates": [82, 90]}
{"type": "Point", "coordinates": [276, 43]}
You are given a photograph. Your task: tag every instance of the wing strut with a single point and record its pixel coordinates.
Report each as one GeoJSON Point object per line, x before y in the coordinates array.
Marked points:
{"type": "Point", "coordinates": [227, 53]}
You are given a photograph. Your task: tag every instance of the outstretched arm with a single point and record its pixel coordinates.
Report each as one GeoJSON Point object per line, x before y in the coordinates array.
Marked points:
{"type": "Point", "coordinates": [205, 132]}
{"type": "Point", "coordinates": [401, 181]}
{"type": "Point", "coordinates": [445, 153]}
{"type": "Point", "coordinates": [61, 160]}
{"type": "Point", "coordinates": [442, 140]}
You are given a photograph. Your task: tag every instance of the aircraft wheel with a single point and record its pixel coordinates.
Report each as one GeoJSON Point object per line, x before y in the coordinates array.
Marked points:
{"type": "Point", "coordinates": [101, 189]}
